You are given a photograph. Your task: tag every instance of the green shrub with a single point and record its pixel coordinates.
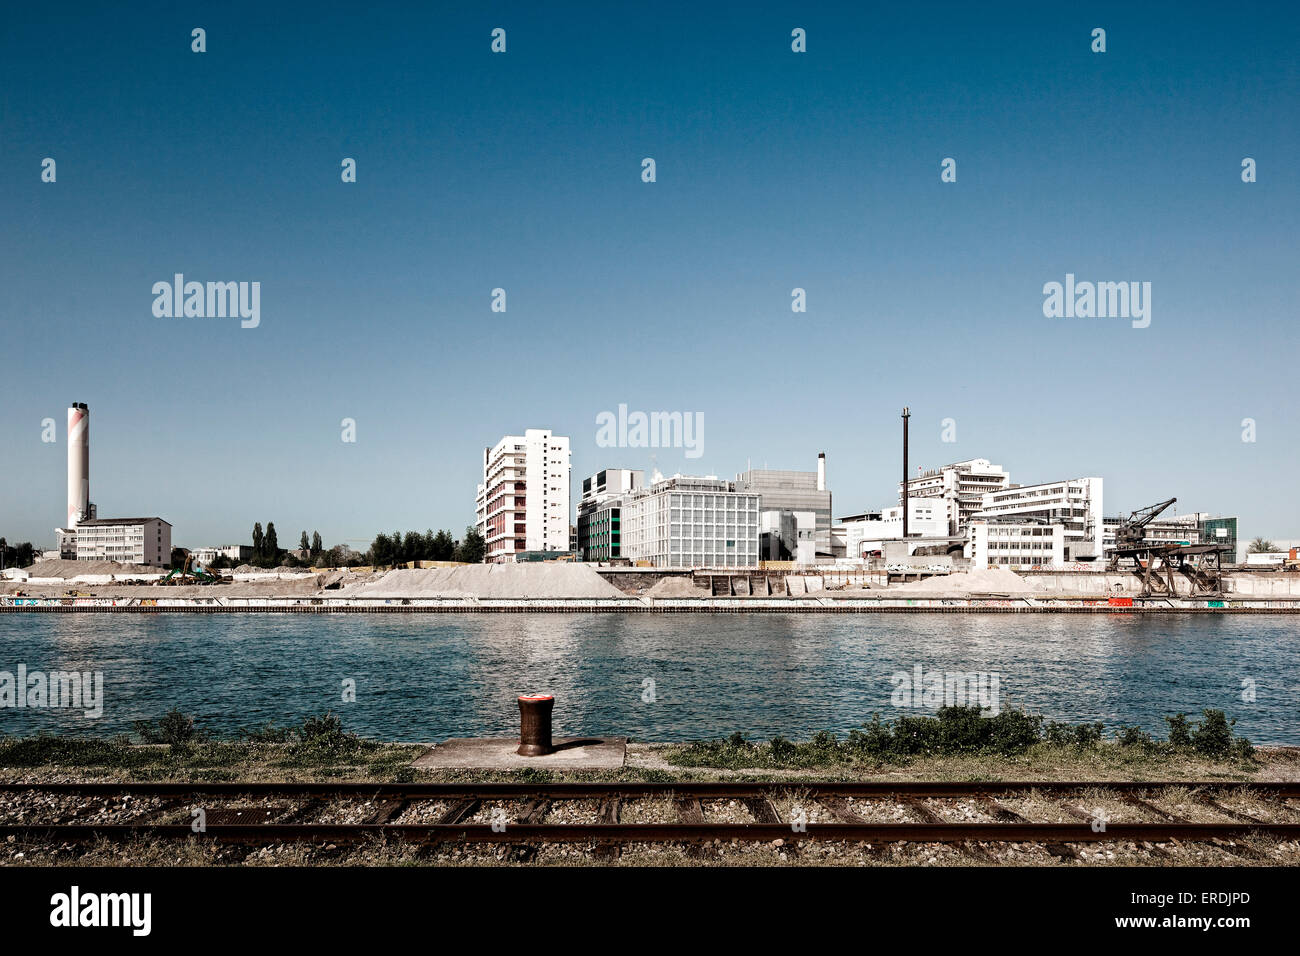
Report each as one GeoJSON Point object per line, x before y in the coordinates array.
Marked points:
{"type": "Point", "coordinates": [1213, 737]}
{"type": "Point", "coordinates": [172, 728]}
{"type": "Point", "coordinates": [953, 731]}
{"type": "Point", "coordinates": [1134, 737]}
{"type": "Point", "coordinates": [1180, 736]}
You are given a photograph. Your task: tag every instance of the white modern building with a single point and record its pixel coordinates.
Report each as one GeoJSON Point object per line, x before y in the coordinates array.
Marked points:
{"type": "Point", "coordinates": [523, 500]}
{"type": "Point", "coordinates": [865, 533]}
{"type": "Point", "coordinates": [126, 540]}
{"type": "Point", "coordinates": [1076, 504]}
{"type": "Point", "coordinates": [961, 485]}
{"type": "Point", "coordinates": [685, 522]}
{"type": "Point", "coordinates": [1016, 545]}
{"type": "Point", "coordinates": [236, 553]}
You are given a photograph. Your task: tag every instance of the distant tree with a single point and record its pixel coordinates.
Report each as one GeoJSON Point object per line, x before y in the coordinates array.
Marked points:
{"type": "Point", "coordinates": [16, 556]}
{"type": "Point", "coordinates": [259, 540]}
{"type": "Point", "coordinates": [472, 548]}
{"type": "Point", "coordinates": [271, 546]}
{"type": "Point", "coordinates": [444, 547]}
{"type": "Point", "coordinates": [316, 543]}
{"type": "Point", "coordinates": [1262, 546]}
{"type": "Point", "coordinates": [380, 553]}
{"type": "Point", "coordinates": [178, 557]}
{"type": "Point", "coordinates": [303, 544]}
{"type": "Point", "coordinates": [220, 562]}
{"type": "Point", "coordinates": [412, 546]}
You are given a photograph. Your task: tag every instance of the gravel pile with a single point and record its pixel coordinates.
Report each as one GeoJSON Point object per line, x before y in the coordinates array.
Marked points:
{"type": "Point", "coordinates": [70, 569]}
{"type": "Point", "coordinates": [676, 587]}
{"type": "Point", "coordinates": [534, 580]}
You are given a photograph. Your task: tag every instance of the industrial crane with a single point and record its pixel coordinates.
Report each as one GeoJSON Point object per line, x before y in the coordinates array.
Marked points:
{"type": "Point", "coordinates": [1131, 534]}
{"type": "Point", "coordinates": [1156, 563]}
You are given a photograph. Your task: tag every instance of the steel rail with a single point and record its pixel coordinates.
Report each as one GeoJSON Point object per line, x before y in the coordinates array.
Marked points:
{"type": "Point", "coordinates": [624, 833]}
{"type": "Point", "coordinates": [594, 789]}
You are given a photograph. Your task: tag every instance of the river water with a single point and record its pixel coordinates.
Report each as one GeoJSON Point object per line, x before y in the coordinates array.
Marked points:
{"type": "Point", "coordinates": [651, 677]}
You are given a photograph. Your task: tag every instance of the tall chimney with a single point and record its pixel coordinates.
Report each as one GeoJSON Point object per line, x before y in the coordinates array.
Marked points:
{"type": "Point", "coordinates": [821, 471]}
{"type": "Point", "coordinates": [906, 416]}
{"type": "Point", "coordinates": [78, 463]}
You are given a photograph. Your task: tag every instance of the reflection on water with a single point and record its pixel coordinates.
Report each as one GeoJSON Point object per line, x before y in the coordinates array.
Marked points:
{"type": "Point", "coordinates": [427, 677]}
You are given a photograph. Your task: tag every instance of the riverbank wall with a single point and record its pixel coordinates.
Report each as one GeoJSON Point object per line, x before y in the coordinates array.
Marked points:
{"type": "Point", "coordinates": [679, 605]}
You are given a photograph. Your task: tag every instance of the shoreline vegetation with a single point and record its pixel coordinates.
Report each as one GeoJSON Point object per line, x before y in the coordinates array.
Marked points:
{"type": "Point", "coordinates": [956, 743]}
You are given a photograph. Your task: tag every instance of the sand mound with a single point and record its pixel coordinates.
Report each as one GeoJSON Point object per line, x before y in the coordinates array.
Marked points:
{"type": "Point", "coordinates": [995, 580]}
{"type": "Point", "coordinates": [534, 580]}
{"type": "Point", "coordinates": [62, 568]}
{"type": "Point", "coordinates": [678, 586]}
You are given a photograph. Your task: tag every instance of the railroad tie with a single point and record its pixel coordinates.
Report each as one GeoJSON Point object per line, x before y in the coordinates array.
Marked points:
{"type": "Point", "coordinates": [691, 811]}
{"type": "Point", "coordinates": [607, 815]}
{"type": "Point", "coordinates": [534, 811]}
{"type": "Point", "coordinates": [1218, 807]}
{"type": "Point", "coordinates": [929, 816]}
{"type": "Point", "coordinates": [387, 811]}
{"type": "Point", "coordinates": [458, 811]}
{"type": "Point", "coordinates": [845, 814]}
{"type": "Point", "coordinates": [1080, 814]}
{"type": "Point", "coordinates": [1005, 814]}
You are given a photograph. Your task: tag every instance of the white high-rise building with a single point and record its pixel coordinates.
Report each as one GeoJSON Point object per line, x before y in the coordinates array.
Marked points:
{"type": "Point", "coordinates": [962, 486]}
{"type": "Point", "coordinates": [523, 500]}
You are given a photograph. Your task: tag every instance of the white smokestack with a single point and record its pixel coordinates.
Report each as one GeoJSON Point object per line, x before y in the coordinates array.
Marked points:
{"type": "Point", "coordinates": [78, 463]}
{"type": "Point", "coordinates": [821, 471]}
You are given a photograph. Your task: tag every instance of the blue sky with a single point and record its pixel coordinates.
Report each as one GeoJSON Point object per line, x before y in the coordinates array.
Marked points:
{"type": "Point", "coordinates": [521, 170]}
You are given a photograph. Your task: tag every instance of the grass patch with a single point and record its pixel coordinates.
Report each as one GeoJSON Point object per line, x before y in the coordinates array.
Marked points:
{"type": "Point", "coordinates": [318, 748]}
{"type": "Point", "coordinates": [963, 732]}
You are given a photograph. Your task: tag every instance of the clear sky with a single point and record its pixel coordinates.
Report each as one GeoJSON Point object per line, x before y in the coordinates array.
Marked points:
{"type": "Point", "coordinates": [522, 171]}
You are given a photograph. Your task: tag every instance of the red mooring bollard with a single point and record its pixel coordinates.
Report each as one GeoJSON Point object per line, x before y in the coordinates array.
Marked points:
{"type": "Point", "coordinates": [535, 725]}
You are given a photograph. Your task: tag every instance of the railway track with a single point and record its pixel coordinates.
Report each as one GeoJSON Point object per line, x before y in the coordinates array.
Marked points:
{"type": "Point", "coordinates": [607, 816]}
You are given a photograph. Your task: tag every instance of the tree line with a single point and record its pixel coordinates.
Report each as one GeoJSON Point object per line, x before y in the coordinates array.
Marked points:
{"type": "Point", "coordinates": [16, 555]}
{"type": "Point", "coordinates": [388, 550]}
{"type": "Point", "coordinates": [385, 551]}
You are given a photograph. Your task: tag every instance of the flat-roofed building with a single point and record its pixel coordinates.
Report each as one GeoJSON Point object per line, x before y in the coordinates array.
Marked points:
{"type": "Point", "coordinates": [794, 491]}
{"type": "Point", "coordinates": [600, 513]}
{"type": "Point", "coordinates": [686, 522]}
{"type": "Point", "coordinates": [235, 553]}
{"type": "Point", "coordinates": [1075, 503]}
{"type": "Point", "coordinates": [865, 533]}
{"type": "Point", "coordinates": [1016, 545]}
{"type": "Point", "coordinates": [126, 540]}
